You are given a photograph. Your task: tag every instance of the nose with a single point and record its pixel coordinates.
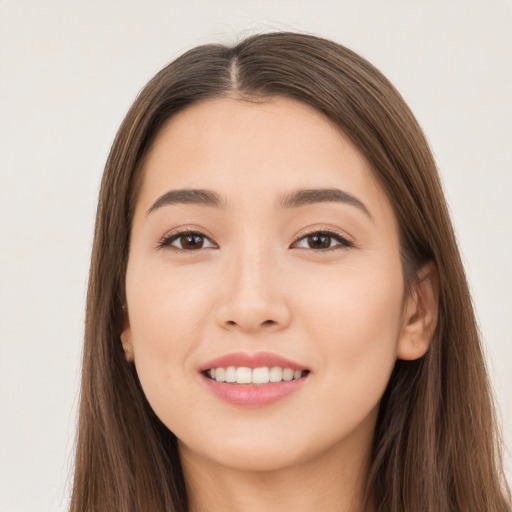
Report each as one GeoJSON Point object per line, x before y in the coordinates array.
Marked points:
{"type": "Point", "coordinates": [253, 297]}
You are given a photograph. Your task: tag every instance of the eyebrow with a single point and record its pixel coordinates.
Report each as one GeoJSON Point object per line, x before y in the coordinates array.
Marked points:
{"type": "Point", "coordinates": [188, 196]}
{"type": "Point", "coordinates": [321, 195]}
{"type": "Point", "coordinates": [294, 199]}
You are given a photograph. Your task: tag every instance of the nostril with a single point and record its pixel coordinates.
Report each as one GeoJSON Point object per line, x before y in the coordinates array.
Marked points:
{"type": "Point", "coordinates": [250, 324]}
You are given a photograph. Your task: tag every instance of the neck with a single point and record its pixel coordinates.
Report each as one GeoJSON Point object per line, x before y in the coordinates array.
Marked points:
{"type": "Point", "coordinates": [332, 481]}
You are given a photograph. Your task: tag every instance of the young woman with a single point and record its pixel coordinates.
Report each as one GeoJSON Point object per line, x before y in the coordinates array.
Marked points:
{"type": "Point", "coordinates": [277, 313]}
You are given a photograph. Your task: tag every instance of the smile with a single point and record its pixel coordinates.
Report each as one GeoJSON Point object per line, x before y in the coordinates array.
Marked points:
{"type": "Point", "coordinates": [247, 376]}
{"type": "Point", "coordinates": [253, 380]}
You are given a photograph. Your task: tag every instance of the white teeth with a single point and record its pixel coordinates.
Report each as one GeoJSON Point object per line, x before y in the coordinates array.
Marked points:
{"type": "Point", "coordinates": [260, 375]}
{"type": "Point", "coordinates": [230, 374]}
{"type": "Point", "coordinates": [220, 374]}
{"type": "Point", "coordinates": [276, 374]}
{"type": "Point", "coordinates": [245, 375]}
{"type": "Point", "coordinates": [287, 374]}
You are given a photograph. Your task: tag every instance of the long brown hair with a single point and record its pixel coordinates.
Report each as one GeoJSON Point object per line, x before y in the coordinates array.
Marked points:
{"type": "Point", "coordinates": [436, 446]}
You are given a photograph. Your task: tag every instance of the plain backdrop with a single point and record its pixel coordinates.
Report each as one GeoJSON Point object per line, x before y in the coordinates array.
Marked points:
{"type": "Point", "coordinates": [69, 70]}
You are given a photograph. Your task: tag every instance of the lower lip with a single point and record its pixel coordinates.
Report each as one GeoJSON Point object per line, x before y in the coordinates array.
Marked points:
{"type": "Point", "coordinates": [251, 396]}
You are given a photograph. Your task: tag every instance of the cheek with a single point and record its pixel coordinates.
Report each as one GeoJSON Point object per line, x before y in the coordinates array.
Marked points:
{"type": "Point", "coordinates": [166, 306]}
{"type": "Point", "coordinates": [168, 309]}
{"type": "Point", "coordinates": [356, 304]}
{"type": "Point", "coordinates": [356, 325]}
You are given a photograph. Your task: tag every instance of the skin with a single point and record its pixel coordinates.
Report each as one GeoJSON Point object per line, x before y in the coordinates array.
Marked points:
{"type": "Point", "coordinates": [257, 284]}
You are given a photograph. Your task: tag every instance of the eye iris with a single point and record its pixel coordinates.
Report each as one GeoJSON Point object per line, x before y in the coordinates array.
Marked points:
{"type": "Point", "coordinates": [192, 241]}
{"type": "Point", "coordinates": [319, 241]}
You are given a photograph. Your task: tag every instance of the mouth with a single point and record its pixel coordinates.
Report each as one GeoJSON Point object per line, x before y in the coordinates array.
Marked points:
{"type": "Point", "coordinates": [253, 380]}
{"type": "Point", "coordinates": [244, 375]}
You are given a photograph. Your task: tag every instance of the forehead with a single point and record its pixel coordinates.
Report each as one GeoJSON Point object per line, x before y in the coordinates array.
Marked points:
{"type": "Point", "coordinates": [269, 146]}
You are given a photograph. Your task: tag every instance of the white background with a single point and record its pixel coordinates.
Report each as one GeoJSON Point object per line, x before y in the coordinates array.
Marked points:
{"type": "Point", "coordinates": [69, 70]}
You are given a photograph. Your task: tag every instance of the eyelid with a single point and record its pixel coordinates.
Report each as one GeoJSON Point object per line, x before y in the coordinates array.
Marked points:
{"type": "Point", "coordinates": [344, 241]}
{"type": "Point", "coordinates": [166, 240]}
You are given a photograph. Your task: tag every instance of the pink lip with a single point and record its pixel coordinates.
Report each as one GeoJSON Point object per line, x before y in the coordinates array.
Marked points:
{"type": "Point", "coordinates": [258, 360]}
{"type": "Point", "coordinates": [251, 396]}
{"type": "Point", "coordinates": [247, 395]}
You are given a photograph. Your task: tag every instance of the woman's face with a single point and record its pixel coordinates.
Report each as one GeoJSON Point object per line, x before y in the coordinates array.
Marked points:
{"type": "Point", "coordinates": [288, 249]}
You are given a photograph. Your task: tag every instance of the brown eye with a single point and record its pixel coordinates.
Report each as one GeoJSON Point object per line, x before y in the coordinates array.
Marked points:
{"type": "Point", "coordinates": [191, 241]}
{"type": "Point", "coordinates": [319, 241]}
{"type": "Point", "coordinates": [187, 241]}
{"type": "Point", "coordinates": [323, 240]}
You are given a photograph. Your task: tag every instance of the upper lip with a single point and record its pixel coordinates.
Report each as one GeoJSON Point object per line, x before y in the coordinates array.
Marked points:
{"type": "Point", "coordinates": [258, 360]}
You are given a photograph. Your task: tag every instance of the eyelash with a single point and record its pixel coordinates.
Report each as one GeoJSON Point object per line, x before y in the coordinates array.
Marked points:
{"type": "Point", "coordinates": [344, 242]}
{"type": "Point", "coordinates": [166, 241]}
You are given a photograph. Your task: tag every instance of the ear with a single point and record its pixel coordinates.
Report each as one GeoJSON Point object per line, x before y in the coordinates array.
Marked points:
{"type": "Point", "coordinates": [420, 315]}
{"type": "Point", "coordinates": [126, 337]}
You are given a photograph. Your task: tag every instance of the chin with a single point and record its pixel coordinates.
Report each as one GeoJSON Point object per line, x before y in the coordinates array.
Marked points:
{"type": "Point", "coordinates": [251, 456]}
{"type": "Point", "coordinates": [271, 449]}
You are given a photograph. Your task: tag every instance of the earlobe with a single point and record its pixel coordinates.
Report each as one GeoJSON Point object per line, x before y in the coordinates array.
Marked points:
{"type": "Point", "coordinates": [126, 337]}
{"type": "Point", "coordinates": [420, 315]}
